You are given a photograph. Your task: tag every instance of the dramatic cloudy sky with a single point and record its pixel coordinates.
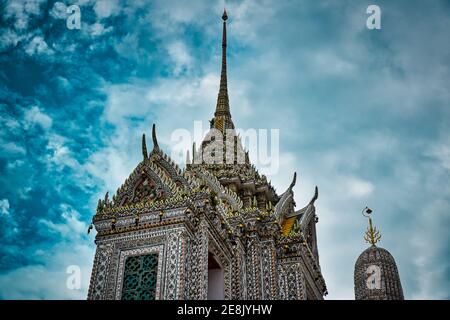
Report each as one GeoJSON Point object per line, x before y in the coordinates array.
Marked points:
{"type": "Point", "coordinates": [363, 114]}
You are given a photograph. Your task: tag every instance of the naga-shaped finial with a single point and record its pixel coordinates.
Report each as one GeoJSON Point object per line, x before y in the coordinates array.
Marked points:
{"type": "Point", "coordinates": [155, 141]}
{"type": "Point", "coordinates": [144, 147]}
{"type": "Point", "coordinates": [316, 195]}
{"type": "Point", "coordinates": [293, 181]}
{"type": "Point", "coordinates": [372, 235]}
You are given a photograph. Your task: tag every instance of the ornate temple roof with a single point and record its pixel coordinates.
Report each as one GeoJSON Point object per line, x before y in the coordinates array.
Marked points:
{"type": "Point", "coordinates": [157, 181]}
{"type": "Point", "coordinates": [242, 200]}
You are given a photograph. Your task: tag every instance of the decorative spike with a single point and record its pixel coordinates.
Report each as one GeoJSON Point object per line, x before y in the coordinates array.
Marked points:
{"type": "Point", "coordinates": [316, 195]}
{"type": "Point", "coordinates": [194, 154]}
{"type": "Point", "coordinates": [144, 147]}
{"type": "Point", "coordinates": [155, 141]}
{"type": "Point", "coordinates": [293, 180]}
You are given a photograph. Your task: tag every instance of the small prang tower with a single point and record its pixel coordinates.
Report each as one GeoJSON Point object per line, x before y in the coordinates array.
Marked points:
{"type": "Point", "coordinates": [376, 274]}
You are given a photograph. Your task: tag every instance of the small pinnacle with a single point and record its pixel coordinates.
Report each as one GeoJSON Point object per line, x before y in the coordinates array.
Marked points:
{"type": "Point", "coordinates": [224, 16]}
{"type": "Point", "coordinates": [155, 140]}
{"type": "Point", "coordinates": [144, 147]}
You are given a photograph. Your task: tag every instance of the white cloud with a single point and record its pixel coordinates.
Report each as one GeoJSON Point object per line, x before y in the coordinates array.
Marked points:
{"type": "Point", "coordinates": [38, 46]}
{"type": "Point", "coordinates": [58, 153]}
{"type": "Point", "coordinates": [4, 206]}
{"type": "Point", "coordinates": [189, 92]}
{"type": "Point", "coordinates": [430, 248]}
{"type": "Point", "coordinates": [125, 101]}
{"type": "Point", "coordinates": [59, 10]}
{"type": "Point", "coordinates": [71, 227]}
{"type": "Point", "coordinates": [8, 38]}
{"type": "Point", "coordinates": [12, 148]}
{"type": "Point", "coordinates": [21, 11]}
{"type": "Point", "coordinates": [113, 164]}
{"type": "Point", "coordinates": [179, 53]}
{"type": "Point", "coordinates": [48, 280]}
{"type": "Point", "coordinates": [107, 8]}
{"type": "Point", "coordinates": [329, 63]}
{"type": "Point", "coordinates": [97, 29]}
{"type": "Point", "coordinates": [357, 188]}
{"type": "Point", "coordinates": [441, 152]}
{"type": "Point", "coordinates": [35, 116]}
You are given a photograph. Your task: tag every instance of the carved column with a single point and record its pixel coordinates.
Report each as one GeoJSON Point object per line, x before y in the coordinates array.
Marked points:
{"type": "Point", "coordinates": [239, 288]}
{"type": "Point", "coordinates": [254, 291]}
{"type": "Point", "coordinates": [291, 281]}
{"type": "Point", "coordinates": [268, 263]}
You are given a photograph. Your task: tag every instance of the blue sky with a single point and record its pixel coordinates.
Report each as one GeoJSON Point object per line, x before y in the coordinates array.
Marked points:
{"type": "Point", "coordinates": [363, 114]}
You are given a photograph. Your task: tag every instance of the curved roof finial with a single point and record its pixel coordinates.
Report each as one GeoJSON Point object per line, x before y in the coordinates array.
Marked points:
{"type": "Point", "coordinates": [293, 181]}
{"type": "Point", "coordinates": [155, 141]}
{"type": "Point", "coordinates": [144, 147]}
{"type": "Point", "coordinates": [316, 195]}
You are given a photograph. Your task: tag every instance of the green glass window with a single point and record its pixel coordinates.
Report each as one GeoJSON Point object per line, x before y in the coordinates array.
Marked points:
{"type": "Point", "coordinates": [139, 281]}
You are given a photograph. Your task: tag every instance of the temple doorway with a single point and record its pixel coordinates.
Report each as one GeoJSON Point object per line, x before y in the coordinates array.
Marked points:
{"type": "Point", "coordinates": [215, 279]}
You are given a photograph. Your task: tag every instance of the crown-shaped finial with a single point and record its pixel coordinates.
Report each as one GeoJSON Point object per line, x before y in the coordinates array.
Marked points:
{"type": "Point", "coordinates": [372, 235]}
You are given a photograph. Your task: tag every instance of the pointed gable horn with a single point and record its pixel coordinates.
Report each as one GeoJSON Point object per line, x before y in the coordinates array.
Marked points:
{"type": "Point", "coordinates": [144, 147]}
{"type": "Point", "coordinates": [155, 141]}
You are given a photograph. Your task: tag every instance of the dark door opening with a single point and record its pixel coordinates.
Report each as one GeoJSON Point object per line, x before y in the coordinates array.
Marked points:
{"type": "Point", "coordinates": [215, 279]}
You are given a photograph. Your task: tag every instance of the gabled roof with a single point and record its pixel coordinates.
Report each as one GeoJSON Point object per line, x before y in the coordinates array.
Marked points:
{"type": "Point", "coordinates": [156, 177]}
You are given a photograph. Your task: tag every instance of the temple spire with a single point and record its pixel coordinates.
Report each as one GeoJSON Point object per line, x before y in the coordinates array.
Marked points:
{"type": "Point", "coordinates": [222, 115]}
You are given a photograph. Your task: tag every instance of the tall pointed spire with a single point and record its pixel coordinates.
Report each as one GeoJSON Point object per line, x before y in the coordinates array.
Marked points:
{"type": "Point", "coordinates": [222, 115]}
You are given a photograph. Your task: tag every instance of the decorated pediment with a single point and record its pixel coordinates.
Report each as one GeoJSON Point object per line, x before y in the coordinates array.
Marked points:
{"type": "Point", "coordinates": [156, 177]}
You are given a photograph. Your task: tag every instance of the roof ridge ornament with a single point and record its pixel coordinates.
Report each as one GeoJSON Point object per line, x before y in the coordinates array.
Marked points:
{"type": "Point", "coordinates": [316, 195]}
{"type": "Point", "coordinates": [372, 235]}
{"type": "Point", "coordinates": [155, 141]}
{"type": "Point", "coordinates": [294, 180]}
{"type": "Point", "coordinates": [144, 147]}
